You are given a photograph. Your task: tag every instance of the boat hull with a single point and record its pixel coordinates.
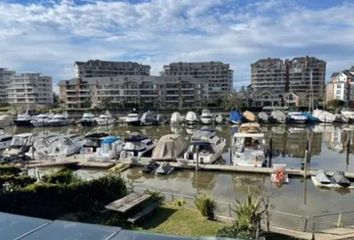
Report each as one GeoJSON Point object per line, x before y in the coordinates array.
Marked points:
{"type": "Point", "coordinates": [23, 123]}
{"type": "Point", "coordinates": [88, 123]}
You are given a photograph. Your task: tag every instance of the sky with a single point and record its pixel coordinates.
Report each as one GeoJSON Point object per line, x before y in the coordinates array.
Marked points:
{"type": "Point", "coordinates": [48, 36]}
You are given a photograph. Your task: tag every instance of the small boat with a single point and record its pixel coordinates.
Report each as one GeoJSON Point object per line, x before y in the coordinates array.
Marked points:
{"type": "Point", "coordinates": [176, 118]}
{"type": "Point", "coordinates": [296, 118]}
{"type": "Point", "coordinates": [150, 167]}
{"type": "Point", "coordinates": [23, 120]}
{"type": "Point", "coordinates": [133, 118]}
{"type": "Point", "coordinates": [164, 169]}
{"type": "Point", "coordinates": [5, 140]}
{"type": "Point", "coordinates": [191, 118]}
{"type": "Point", "coordinates": [249, 116]}
{"type": "Point", "coordinates": [111, 147]}
{"type": "Point", "coordinates": [161, 119]}
{"type": "Point", "coordinates": [277, 116]}
{"type": "Point", "coordinates": [348, 114]}
{"type": "Point", "coordinates": [105, 119]}
{"type": "Point", "coordinates": [263, 117]}
{"type": "Point", "coordinates": [340, 118]}
{"type": "Point", "coordinates": [323, 116]}
{"type": "Point", "coordinates": [64, 146]}
{"type": "Point", "coordinates": [20, 144]}
{"type": "Point", "coordinates": [147, 119]}
{"type": "Point", "coordinates": [206, 117]}
{"type": "Point", "coordinates": [235, 117]}
{"type": "Point", "coordinates": [41, 120]}
{"type": "Point", "coordinates": [248, 146]}
{"type": "Point", "coordinates": [59, 120]}
{"type": "Point", "coordinates": [219, 119]}
{"type": "Point", "coordinates": [330, 179]}
{"type": "Point", "coordinates": [169, 148]}
{"type": "Point", "coordinates": [5, 120]}
{"type": "Point", "coordinates": [279, 175]}
{"type": "Point", "coordinates": [206, 147]}
{"type": "Point", "coordinates": [137, 145]}
{"type": "Point", "coordinates": [88, 120]}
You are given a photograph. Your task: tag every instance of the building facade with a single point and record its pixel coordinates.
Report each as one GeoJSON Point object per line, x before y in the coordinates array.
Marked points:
{"type": "Point", "coordinates": [160, 91]}
{"type": "Point", "coordinates": [272, 79]}
{"type": "Point", "coordinates": [5, 79]}
{"type": "Point", "coordinates": [98, 68]}
{"type": "Point", "coordinates": [217, 75]}
{"type": "Point", "coordinates": [30, 89]}
{"type": "Point", "coordinates": [341, 87]}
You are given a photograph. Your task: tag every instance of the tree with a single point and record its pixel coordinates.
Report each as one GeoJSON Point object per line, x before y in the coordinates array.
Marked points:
{"type": "Point", "coordinates": [56, 100]}
{"type": "Point", "coordinates": [335, 104]}
{"type": "Point", "coordinates": [232, 101]}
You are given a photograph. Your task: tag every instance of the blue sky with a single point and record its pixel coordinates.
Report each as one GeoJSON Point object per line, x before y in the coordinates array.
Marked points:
{"type": "Point", "coordinates": [47, 36]}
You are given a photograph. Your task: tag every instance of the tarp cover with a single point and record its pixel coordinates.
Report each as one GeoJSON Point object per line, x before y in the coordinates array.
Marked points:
{"type": "Point", "coordinates": [169, 147]}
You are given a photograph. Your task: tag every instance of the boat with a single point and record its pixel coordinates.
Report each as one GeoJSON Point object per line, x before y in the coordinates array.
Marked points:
{"type": "Point", "coordinates": [219, 119]}
{"type": "Point", "coordinates": [348, 114]}
{"type": "Point", "coordinates": [133, 118]}
{"type": "Point", "coordinates": [206, 147]}
{"type": "Point", "coordinates": [41, 120]}
{"type": "Point", "coordinates": [235, 117]}
{"type": "Point", "coordinates": [92, 143]}
{"type": "Point", "coordinates": [147, 119]}
{"type": "Point", "coordinates": [206, 117]}
{"type": "Point", "coordinates": [5, 140]}
{"type": "Point", "coordinates": [20, 144]}
{"type": "Point", "coordinates": [150, 167]}
{"type": "Point", "coordinates": [105, 119]}
{"type": "Point", "coordinates": [296, 117]}
{"type": "Point", "coordinates": [310, 117]}
{"type": "Point", "coordinates": [59, 120]}
{"type": "Point", "coordinates": [279, 175]}
{"type": "Point", "coordinates": [330, 179]}
{"type": "Point", "coordinates": [248, 146]}
{"type": "Point", "coordinates": [88, 120]}
{"type": "Point", "coordinates": [23, 120]}
{"type": "Point", "coordinates": [340, 118]}
{"type": "Point", "coordinates": [323, 116]}
{"type": "Point", "coordinates": [5, 120]}
{"type": "Point", "coordinates": [263, 117]}
{"type": "Point", "coordinates": [249, 116]}
{"type": "Point", "coordinates": [277, 116]}
{"type": "Point", "coordinates": [111, 147]}
{"type": "Point", "coordinates": [164, 169]}
{"type": "Point", "coordinates": [191, 118]}
{"type": "Point", "coordinates": [161, 119]}
{"type": "Point", "coordinates": [137, 145]}
{"type": "Point", "coordinates": [176, 118]}
{"type": "Point", "coordinates": [169, 148]}
{"type": "Point", "coordinates": [64, 146]}
{"type": "Point", "coordinates": [41, 147]}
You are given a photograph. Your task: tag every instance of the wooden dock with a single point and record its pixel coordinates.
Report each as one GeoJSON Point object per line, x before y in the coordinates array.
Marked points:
{"type": "Point", "coordinates": [67, 163]}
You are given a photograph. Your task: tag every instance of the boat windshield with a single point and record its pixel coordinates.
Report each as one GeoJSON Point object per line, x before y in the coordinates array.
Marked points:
{"type": "Point", "coordinates": [18, 141]}
{"type": "Point", "coordinates": [134, 146]}
{"type": "Point", "coordinates": [202, 147]}
{"type": "Point", "coordinates": [248, 143]}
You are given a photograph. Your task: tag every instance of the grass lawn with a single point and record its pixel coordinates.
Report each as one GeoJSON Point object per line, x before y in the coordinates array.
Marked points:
{"type": "Point", "coordinates": [169, 219]}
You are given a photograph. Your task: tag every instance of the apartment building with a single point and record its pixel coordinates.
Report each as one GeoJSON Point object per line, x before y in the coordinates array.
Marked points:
{"type": "Point", "coordinates": [162, 91]}
{"type": "Point", "coordinates": [30, 89]}
{"type": "Point", "coordinates": [217, 75]}
{"type": "Point", "coordinates": [5, 78]}
{"type": "Point", "coordinates": [341, 87]}
{"type": "Point", "coordinates": [272, 80]}
{"type": "Point", "coordinates": [98, 68]}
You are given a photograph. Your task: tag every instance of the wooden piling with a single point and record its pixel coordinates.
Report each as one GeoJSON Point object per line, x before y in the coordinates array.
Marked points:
{"type": "Point", "coordinates": [270, 155]}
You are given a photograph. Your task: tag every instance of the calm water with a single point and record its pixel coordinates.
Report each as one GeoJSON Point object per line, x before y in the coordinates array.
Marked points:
{"type": "Point", "coordinates": [328, 150]}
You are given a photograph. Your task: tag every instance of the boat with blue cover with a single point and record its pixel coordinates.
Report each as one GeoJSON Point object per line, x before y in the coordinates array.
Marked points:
{"type": "Point", "coordinates": [235, 117]}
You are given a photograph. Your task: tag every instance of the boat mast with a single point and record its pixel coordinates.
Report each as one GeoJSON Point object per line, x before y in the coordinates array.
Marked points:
{"type": "Point", "coordinates": [311, 104]}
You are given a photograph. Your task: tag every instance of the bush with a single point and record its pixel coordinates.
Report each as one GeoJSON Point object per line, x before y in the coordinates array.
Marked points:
{"type": "Point", "coordinates": [205, 206]}
{"type": "Point", "coordinates": [64, 176]}
{"type": "Point", "coordinates": [16, 181]}
{"type": "Point", "coordinates": [9, 170]}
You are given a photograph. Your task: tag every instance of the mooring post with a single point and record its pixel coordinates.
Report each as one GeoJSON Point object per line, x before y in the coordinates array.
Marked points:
{"type": "Point", "coordinates": [339, 221]}
{"type": "Point", "coordinates": [270, 151]}
{"type": "Point", "coordinates": [305, 223]}
{"type": "Point", "coordinates": [347, 155]}
{"type": "Point", "coordinates": [313, 229]}
{"type": "Point", "coordinates": [305, 164]}
{"type": "Point", "coordinates": [230, 152]}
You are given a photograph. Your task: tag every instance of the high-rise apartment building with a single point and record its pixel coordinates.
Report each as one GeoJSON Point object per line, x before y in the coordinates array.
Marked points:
{"type": "Point", "coordinates": [217, 75]}
{"type": "Point", "coordinates": [5, 79]}
{"type": "Point", "coordinates": [341, 87]}
{"type": "Point", "coordinates": [98, 68]}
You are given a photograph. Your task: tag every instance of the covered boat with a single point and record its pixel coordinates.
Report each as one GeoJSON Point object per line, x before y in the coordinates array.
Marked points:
{"type": "Point", "coordinates": [249, 116]}
{"type": "Point", "coordinates": [235, 117]}
{"type": "Point", "coordinates": [169, 147]}
{"type": "Point", "coordinates": [176, 118]}
{"type": "Point", "coordinates": [219, 119]}
{"type": "Point", "coordinates": [206, 117]}
{"type": "Point", "coordinates": [324, 116]}
{"type": "Point", "coordinates": [277, 116]}
{"type": "Point", "coordinates": [263, 117]}
{"type": "Point", "coordinates": [191, 118]}
{"type": "Point", "coordinates": [111, 147]}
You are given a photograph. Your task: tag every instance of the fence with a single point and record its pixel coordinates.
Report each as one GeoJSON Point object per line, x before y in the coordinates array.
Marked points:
{"type": "Point", "coordinates": [314, 223]}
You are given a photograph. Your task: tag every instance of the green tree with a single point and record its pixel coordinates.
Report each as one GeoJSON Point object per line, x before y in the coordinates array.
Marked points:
{"type": "Point", "coordinates": [335, 104]}
{"type": "Point", "coordinates": [231, 101]}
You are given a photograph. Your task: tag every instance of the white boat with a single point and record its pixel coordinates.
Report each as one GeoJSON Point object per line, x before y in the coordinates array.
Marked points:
{"type": "Point", "coordinates": [23, 120]}
{"type": "Point", "coordinates": [277, 116]}
{"type": "Point", "coordinates": [176, 118]}
{"type": "Point", "coordinates": [206, 147]}
{"type": "Point", "coordinates": [88, 120]}
{"type": "Point", "coordinates": [64, 146]}
{"type": "Point", "coordinates": [206, 117]}
{"type": "Point", "coordinates": [323, 116]}
{"type": "Point", "coordinates": [20, 144]}
{"type": "Point", "coordinates": [5, 140]}
{"type": "Point", "coordinates": [41, 147]}
{"type": "Point", "coordinates": [296, 117]}
{"type": "Point", "coordinates": [164, 169]}
{"type": "Point", "coordinates": [105, 119]}
{"type": "Point", "coordinates": [41, 120]}
{"type": "Point", "coordinates": [169, 148]}
{"type": "Point", "coordinates": [91, 144]}
{"type": "Point", "coordinates": [348, 114]}
{"type": "Point", "coordinates": [133, 118]}
{"type": "Point", "coordinates": [340, 118]}
{"type": "Point", "coordinates": [111, 147]}
{"type": "Point", "coordinates": [5, 120]}
{"type": "Point", "coordinates": [263, 117]}
{"type": "Point", "coordinates": [191, 118]}
{"type": "Point", "coordinates": [147, 119]}
{"type": "Point", "coordinates": [219, 119]}
{"type": "Point", "coordinates": [331, 179]}
{"type": "Point", "coordinates": [248, 146]}
{"type": "Point", "coordinates": [137, 145]}
{"type": "Point", "coordinates": [59, 120]}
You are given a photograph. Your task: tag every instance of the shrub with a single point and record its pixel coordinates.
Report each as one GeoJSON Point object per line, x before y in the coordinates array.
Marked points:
{"type": "Point", "coordinates": [64, 176]}
{"type": "Point", "coordinates": [16, 181]}
{"type": "Point", "coordinates": [205, 206]}
{"type": "Point", "coordinates": [6, 169]}
{"type": "Point", "coordinates": [155, 195]}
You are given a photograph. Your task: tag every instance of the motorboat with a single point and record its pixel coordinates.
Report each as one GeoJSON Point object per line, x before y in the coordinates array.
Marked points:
{"type": "Point", "coordinates": [164, 169]}
{"type": "Point", "coordinates": [59, 120]}
{"type": "Point", "coordinates": [324, 116]}
{"type": "Point", "coordinates": [5, 120]}
{"type": "Point", "coordinates": [147, 119]}
{"type": "Point", "coordinates": [219, 119]}
{"type": "Point", "coordinates": [92, 143]}
{"type": "Point", "coordinates": [206, 117]}
{"type": "Point", "coordinates": [105, 119]}
{"type": "Point", "coordinates": [169, 148]}
{"type": "Point", "coordinates": [330, 179]}
{"type": "Point", "coordinates": [348, 114]}
{"type": "Point", "coordinates": [235, 117]}
{"type": "Point", "coordinates": [176, 118]}
{"type": "Point", "coordinates": [5, 140]}
{"type": "Point", "coordinates": [23, 120]}
{"type": "Point", "coordinates": [20, 144]}
{"type": "Point", "coordinates": [133, 118]}
{"type": "Point", "coordinates": [296, 117]}
{"type": "Point", "coordinates": [88, 120]}
{"type": "Point", "coordinates": [248, 146]}
{"type": "Point", "coordinates": [41, 147]}
{"type": "Point", "coordinates": [137, 145]}
{"type": "Point", "coordinates": [249, 116]}
{"type": "Point", "coordinates": [161, 119]}
{"type": "Point", "coordinates": [111, 147]}
{"type": "Point", "coordinates": [277, 116]}
{"type": "Point", "coordinates": [64, 146]}
{"type": "Point", "coordinates": [263, 117]}
{"type": "Point", "coordinates": [41, 120]}
{"type": "Point", "coordinates": [340, 118]}
{"type": "Point", "coordinates": [150, 167]}
{"type": "Point", "coordinates": [191, 118]}
{"type": "Point", "coordinates": [206, 147]}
